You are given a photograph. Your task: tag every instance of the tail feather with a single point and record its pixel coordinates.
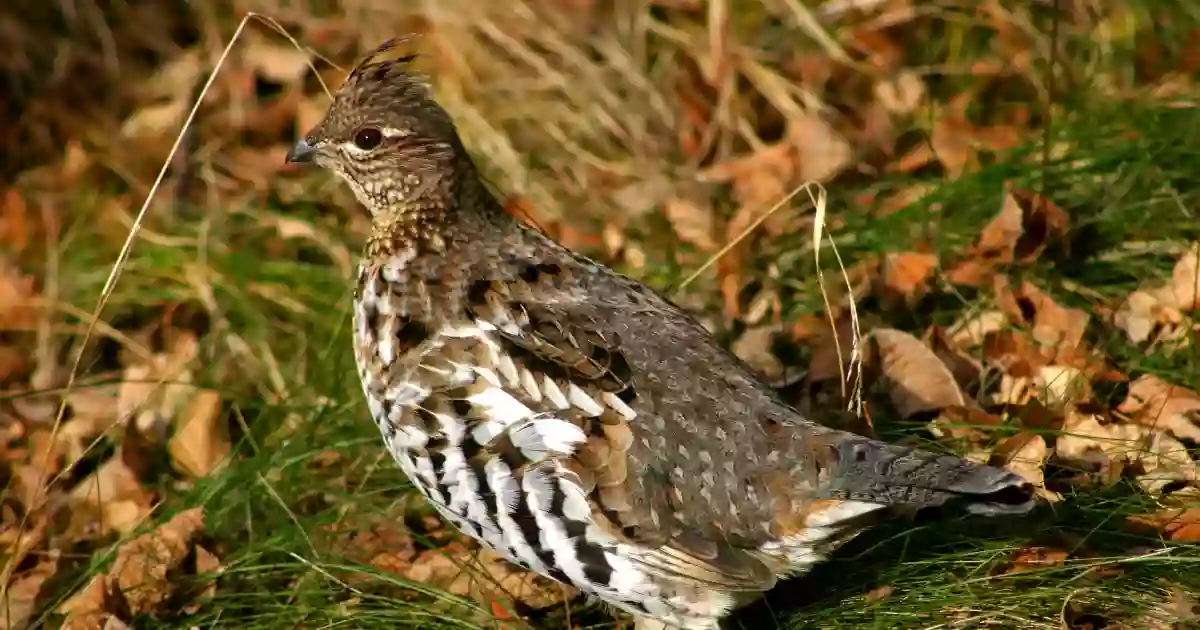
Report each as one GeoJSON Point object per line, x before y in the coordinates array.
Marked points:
{"type": "Point", "coordinates": [889, 474]}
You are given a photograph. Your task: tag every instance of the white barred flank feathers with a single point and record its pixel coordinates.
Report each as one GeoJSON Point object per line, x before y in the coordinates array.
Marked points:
{"type": "Point", "coordinates": [508, 494]}
{"type": "Point", "coordinates": [539, 493]}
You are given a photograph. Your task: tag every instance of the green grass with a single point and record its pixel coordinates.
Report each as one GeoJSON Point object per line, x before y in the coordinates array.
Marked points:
{"type": "Point", "coordinates": [276, 345]}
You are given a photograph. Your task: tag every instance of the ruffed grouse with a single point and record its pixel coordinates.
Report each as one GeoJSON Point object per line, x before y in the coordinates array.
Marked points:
{"type": "Point", "coordinates": [569, 417]}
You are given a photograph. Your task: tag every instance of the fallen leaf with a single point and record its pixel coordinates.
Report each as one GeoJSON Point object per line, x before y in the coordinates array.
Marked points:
{"type": "Point", "coordinates": [152, 392]}
{"type": "Point", "coordinates": [902, 94]}
{"type": "Point", "coordinates": [210, 568]}
{"type": "Point", "coordinates": [18, 300]}
{"type": "Point", "coordinates": [692, 224]}
{"type": "Point", "coordinates": [879, 593]}
{"type": "Point", "coordinates": [971, 330]}
{"type": "Point", "coordinates": [821, 152]}
{"type": "Point", "coordinates": [200, 441]}
{"type": "Point", "coordinates": [1061, 386]}
{"type": "Point", "coordinates": [1155, 403]}
{"type": "Point", "coordinates": [1156, 312]}
{"type": "Point", "coordinates": [15, 229]}
{"type": "Point", "coordinates": [754, 347]}
{"type": "Point", "coordinates": [1177, 524]}
{"type": "Point", "coordinates": [1019, 233]}
{"type": "Point", "coordinates": [88, 608]}
{"type": "Point", "coordinates": [917, 379]}
{"type": "Point", "coordinates": [276, 62]}
{"type": "Point", "coordinates": [1026, 454]}
{"type": "Point", "coordinates": [832, 349]}
{"type": "Point", "coordinates": [19, 598]}
{"type": "Point", "coordinates": [963, 423]}
{"type": "Point", "coordinates": [1032, 558]}
{"type": "Point", "coordinates": [485, 576]}
{"type": "Point", "coordinates": [111, 497]}
{"type": "Point", "coordinates": [1058, 329]}
{"type": "Point", "coordinates": [144, 565]}
{"type": "Point", "coordinates": [905, 275]}
{"type": "Point", "coordinates": [965, 368]}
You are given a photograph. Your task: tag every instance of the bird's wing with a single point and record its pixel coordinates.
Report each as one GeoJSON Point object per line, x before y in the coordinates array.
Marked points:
{"type": "Point", "coordinates": [569, 369]}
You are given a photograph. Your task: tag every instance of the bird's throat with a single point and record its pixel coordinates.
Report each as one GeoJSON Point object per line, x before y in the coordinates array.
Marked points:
{"type": "Point", "coordinates": [454, 211]}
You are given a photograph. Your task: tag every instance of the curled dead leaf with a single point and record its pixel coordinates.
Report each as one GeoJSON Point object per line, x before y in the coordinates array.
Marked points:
{"type": "Point", "coordinates": [1026, 224]}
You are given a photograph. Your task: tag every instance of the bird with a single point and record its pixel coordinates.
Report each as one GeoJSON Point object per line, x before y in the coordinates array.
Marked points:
{"type": "Point", "coordinates": [571, 418]}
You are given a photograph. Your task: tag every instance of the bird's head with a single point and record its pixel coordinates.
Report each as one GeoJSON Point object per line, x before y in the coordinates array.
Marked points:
{"type": "Point", "coordinates": [386, 136]}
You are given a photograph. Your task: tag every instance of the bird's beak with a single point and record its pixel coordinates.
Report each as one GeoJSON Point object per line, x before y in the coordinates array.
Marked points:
{"type": "Point", "coordinates": [301, 152]}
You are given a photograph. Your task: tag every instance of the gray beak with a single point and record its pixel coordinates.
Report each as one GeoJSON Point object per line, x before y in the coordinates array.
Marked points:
{"type": "Point", "coordinates": [301, 152]}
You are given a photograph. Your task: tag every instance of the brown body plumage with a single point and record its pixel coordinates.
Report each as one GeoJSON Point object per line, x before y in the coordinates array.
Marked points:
{"type": "Point", "coordinates": [570, 417]}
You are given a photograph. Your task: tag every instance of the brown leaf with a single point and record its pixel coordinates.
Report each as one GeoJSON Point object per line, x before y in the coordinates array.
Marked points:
{"type": "Point", "coordinates": [905, 275]}
{"type": "Point", "coordinates": [1160, 308]}
{"type": "Point", "coordinates": [966, 368]}
{"type": "Point", "coordinates": [89, 608]}
{"type": "Point", "coordinates": [960, 423]}
{"type": "Point", "coordinates": [1061, 386]}
{"type": "Point", "coordinates": [144, 565]}
{"type": "Point", "coordinates": [901, 94]}
{"type": "Point", "coordinates": [754, 347]}
{"type": "Point", "coordinates": [200, 442]}
{"type": "Point", "coordinates": [971, 330]}
{"type": "Point", "coordinates": [485, 577]}
{"type": "Point", "coordinates": [152, 392]}
{"type": "Point", "coordinates": [1031, 558]}
{"type": "Point", "coordinates": [917, 379]}
{"type": "Point", "coordinates": [1178, 524]}
{"type": "Point", "coordinates": [276, 62]}
{"type": "Point", "coordinates": [111, 495]}
{"type": "Point", "coordinates": [1026, 454]}
{"type": "Point", "coordinates": [821, 152]}
{"type": "Point", "coordinates": [879, 593]}
{"type": "Point", "coordinates": [15, 231]}
{"type": "Point", "coordinates": [210, 567]}
{"type": "Point", "coordinates": [692, 224]}
{"type": "Point", "coordinates": [1155, 403]}
{"type": "Point", "coordinates": [19, 598]}
{"type": "Point", "coordinates": [832, 349]}
{"type": "Point", "coordinates": [1026, 224]}
{"type": "Point", "coordinates": [18, 300]}
{"type": "Point", "coordinates": [1042, 222]}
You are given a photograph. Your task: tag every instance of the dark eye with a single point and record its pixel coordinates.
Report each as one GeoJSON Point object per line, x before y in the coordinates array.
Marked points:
{"type": "Point", "coordinates": [367, 138]}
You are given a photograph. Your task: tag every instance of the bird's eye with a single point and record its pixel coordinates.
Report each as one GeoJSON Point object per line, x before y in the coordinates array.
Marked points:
{"type": "Point", "coordinates": [367, 138]}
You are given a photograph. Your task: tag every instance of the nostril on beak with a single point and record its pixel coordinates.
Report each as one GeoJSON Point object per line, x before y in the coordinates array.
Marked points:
{"type": "Point", "coordinates": [300, 153]}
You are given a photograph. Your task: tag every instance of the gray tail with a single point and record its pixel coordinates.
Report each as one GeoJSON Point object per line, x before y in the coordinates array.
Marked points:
{"type": "Point", "coordinates": [873, 471]}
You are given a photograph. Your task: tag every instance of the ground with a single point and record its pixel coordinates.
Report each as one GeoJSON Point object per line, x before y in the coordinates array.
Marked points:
{"type": "Point", "coordinates": [1010, 187]}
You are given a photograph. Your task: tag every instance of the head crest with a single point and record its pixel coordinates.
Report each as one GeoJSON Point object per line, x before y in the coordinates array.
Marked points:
{"type": "Point", "coordinates": [386, 61]}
